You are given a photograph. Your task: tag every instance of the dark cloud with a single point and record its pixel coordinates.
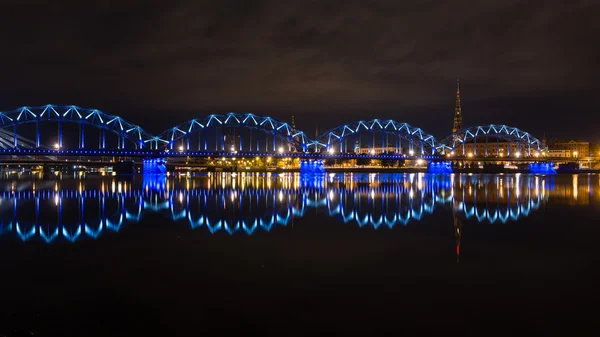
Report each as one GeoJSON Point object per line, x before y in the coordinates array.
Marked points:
{"type": "Point", "coordinates": [338, 60]}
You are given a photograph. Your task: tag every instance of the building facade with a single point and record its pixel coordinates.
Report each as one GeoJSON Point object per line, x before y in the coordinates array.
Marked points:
{"type": "Point", "coordinates": [559, 154]}
{"type": "Point", "coordinates": [377, 150]}
{"type": "Point", "coordinates": [494, 149]}
{"type": "Point", "coordinates": [570, 149]}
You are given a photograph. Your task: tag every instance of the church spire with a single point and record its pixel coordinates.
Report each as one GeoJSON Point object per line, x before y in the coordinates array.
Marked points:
{"type": "Point", "coordinates": [457, 111]}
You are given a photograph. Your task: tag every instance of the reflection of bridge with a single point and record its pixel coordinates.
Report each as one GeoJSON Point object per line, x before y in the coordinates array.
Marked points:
{"type": "Point", "coordinates": [249, 203]}
{"type": "Point", "coordinates": [73, 131]}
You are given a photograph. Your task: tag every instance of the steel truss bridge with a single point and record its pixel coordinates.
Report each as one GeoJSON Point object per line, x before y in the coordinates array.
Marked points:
{"type": "Point", "coordinates": [53, 130]}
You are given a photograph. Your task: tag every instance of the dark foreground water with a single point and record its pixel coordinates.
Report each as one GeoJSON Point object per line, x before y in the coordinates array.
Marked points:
{"type": "Point", "coordinates": [291, 255]}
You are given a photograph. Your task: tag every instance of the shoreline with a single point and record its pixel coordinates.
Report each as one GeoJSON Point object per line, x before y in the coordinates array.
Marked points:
{"type": "Point", "coordinates": [399, 170]}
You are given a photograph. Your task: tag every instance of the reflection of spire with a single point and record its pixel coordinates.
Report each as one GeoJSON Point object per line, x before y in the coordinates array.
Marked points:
{"type": "Point", "coordinates": [457, 111]}
{"type": "Point", "coordinates": [457, 233]}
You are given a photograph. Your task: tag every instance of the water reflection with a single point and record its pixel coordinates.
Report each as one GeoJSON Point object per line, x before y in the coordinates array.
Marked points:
{"type": "Point", "coordinates": [69, 210]}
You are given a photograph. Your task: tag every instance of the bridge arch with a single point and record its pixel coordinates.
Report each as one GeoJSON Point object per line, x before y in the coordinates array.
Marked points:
{"type": "Point", "coordinates": [505, 141]}
{"type": "Point", "coordinates": [336, 139]}
{"type": "Point", "coordinates": [11, 122]}
{"type": "Point", "coordinates": [209, 134]}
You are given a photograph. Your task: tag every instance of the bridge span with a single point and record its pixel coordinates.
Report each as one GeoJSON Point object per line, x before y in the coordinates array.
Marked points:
{"type": "Point", "coordinates": [69, 132]}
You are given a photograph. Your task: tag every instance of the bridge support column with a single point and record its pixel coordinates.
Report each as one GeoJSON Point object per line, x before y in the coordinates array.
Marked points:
{"type": "Point", "coordinates": [60, 135]}
{"type": "Point", "coordinates": [82, 136]}
{"type": "Point", "coordinates": [542, 168]}
{"type": "Point", "coordinates": [439, 167]}
{"type": "Point", "coordinates": [154, 166]}
{"type": "Point", "coordinates": [37, 134]}
{"type": "Point", "coordinates": [312, 166]}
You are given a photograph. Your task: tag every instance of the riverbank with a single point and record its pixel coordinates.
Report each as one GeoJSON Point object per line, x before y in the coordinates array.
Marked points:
{"type": "Point", "coordinates": [401, 170]}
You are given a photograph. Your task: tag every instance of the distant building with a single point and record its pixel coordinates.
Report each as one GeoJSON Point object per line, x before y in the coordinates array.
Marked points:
{"type": "Point", "coordinates": [595, 150]}
{"type": "Point", "coordinates": [559, 154]}
{"type": "Point", "coordinates": [493, 149]}
{"type": "Point", "coordinates": [570, 149]}
{"type": "Point", "coordinates": [231, 141]}
{"type": "Point", "coordinates": [376, 150]}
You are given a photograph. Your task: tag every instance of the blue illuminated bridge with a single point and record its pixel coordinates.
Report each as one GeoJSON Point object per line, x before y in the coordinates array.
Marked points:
{"type": "Point", "coordinates": [50, 131]}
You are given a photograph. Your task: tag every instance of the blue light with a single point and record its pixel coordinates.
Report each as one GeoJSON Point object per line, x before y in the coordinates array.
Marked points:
{"type": "Point", "coordinates": [542, 168]}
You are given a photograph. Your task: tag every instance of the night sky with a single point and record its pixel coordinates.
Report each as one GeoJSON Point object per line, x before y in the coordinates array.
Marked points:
{"type": "Point", "coordinates": [531, 64]}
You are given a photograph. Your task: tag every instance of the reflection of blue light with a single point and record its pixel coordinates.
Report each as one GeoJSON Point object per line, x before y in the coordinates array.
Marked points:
{"type": "Point", "coordinates": [48, 237]}
{"type": "Point", "coordinates": [71, 236]}
{"type": "Point", "coordinates": [94, 233]}
{"type": "Point", "coordinates": [393, 199]}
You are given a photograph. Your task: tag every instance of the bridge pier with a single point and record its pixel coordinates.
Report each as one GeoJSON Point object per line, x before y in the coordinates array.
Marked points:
{"type": "Point", "coordinates": [312, 166]}
{"type": "Point", "coordinates": [542, 168]}
{"type": "Point", "coordinates": [439, 167]}
{"type": "Point", "coordinates": [154, 166]}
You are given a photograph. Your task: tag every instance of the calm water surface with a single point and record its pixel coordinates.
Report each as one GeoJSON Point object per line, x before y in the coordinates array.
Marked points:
{"type": "Point", "coordinates": [293, 255]}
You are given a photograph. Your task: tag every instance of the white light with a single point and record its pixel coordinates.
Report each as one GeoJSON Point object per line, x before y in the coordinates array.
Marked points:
{"type": "Point", "coordinates": [232, 148]}
{"type": "Point", "coordinates": [56, 146]}
{"type": "Point", "coordinates": [419, 161]}
{"type": "Point", "coordinates": [281, 150]}
{"type": "Point", "coordinates": [518, 154]}
{"type": "Point", "coordinates": [330, 151]}
{"type": "Point", "coordinates": [411, 152]}
{"type": "Point", "coordinates": [181, 148]}
{"type": "Point", "coordinates": [372, 151]}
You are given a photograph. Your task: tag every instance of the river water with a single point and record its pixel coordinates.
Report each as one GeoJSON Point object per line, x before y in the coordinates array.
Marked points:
{"type": "Point", "coordinates": [298, 255]}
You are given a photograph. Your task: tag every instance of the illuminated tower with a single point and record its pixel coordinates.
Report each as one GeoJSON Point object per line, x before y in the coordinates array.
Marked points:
{"type": "Point", "coordinates": [457, 111]}
{"type": "Point", "coordinates": [293, 124]}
